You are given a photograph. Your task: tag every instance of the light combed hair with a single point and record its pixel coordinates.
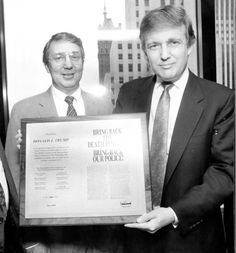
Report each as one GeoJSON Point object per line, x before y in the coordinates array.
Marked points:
{"type": "Point", "coordinates": [167, 16]}
{"type": "Point", "coordinates": [63, 36]}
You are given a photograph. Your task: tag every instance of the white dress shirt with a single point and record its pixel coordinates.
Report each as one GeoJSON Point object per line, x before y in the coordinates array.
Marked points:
{"type": "Point", "coordinates": [62, 106]}
{"type": "Point", "coordinates": [3, 182]}
{"type": "Point", "coordinates": [176, 94]}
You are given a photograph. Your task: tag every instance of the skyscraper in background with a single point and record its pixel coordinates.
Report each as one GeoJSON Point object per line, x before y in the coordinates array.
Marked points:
{"type": "Point", "coordinates": [123, 60]}
{"type": "Point", "coordinates": [225, 42]}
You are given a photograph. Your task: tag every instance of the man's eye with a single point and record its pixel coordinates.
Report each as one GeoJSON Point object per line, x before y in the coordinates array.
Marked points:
{"type": "Point", "coordinates": [58, 57]}
{"type": "Point", "coordinates": [153, 46]}
{"type": "Point", "coordinates": [75, 57]}
{"type": "Point", "coordinates": [174, 43]}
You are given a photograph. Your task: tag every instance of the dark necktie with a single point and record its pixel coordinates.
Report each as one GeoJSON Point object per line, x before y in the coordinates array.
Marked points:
{"type": "Point", "coordinates": [159, 145]}
{"type": "Point", "coordinates": [3, 206]}
{"type": "Point", "coordinates": [71, 110]}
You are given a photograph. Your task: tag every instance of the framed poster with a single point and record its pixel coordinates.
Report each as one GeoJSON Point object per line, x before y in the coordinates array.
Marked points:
{"type": "Point", "coordinates": [84, 170]}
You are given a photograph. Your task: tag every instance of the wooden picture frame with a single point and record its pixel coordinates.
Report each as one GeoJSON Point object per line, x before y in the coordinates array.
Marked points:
{"type": "Point", "coordinates": [84, 170]}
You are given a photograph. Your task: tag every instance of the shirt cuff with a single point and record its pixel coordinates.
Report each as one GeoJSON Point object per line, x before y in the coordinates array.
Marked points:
{"type": "Point", "coordinates": [176, 221]}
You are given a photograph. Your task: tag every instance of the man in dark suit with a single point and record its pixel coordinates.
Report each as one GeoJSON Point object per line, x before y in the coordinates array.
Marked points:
{"type": "Point", "coordinates": [10, 239]}
{"type": "Point", "coordinates": [63, 57]}
{"type": "Point", "coordinates": [196, 117]}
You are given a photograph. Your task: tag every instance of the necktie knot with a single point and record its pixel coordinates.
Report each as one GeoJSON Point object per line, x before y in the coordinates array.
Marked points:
{"type": "Point", "coordinates": [167, 85]}
{"type": "Point", "coordinates": [69, 99]}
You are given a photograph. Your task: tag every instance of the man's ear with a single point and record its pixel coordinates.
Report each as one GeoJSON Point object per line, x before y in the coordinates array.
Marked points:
{"type": "Point", "coordinates": [47, 68]}
{"type": "Point", "coordinates": [190, 48]}
{"type": "Point", "coordinates": [146, 57]}
{"type": "Point", "coordinates": [145, 54]}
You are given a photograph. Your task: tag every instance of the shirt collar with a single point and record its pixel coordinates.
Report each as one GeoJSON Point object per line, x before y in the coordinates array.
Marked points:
{"type": "Point", "coordinates": [61, 95]}
{"type": "Point", "coordinates": [181, 82]}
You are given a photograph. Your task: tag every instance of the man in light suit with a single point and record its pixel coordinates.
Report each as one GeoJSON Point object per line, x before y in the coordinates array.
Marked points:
{"type": "Point", "coordinates": [63, 57]}
{"type": "Point", "coordinates": [199, 141]}
{"type": "Point", "coordinates": [10, 239]}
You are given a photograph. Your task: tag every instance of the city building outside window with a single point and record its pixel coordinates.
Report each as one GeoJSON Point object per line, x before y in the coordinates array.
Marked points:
{"type": "Point", "coordinates": [130, 66]}
{"type": "Point", "coordinates": [139, 67]}
{"type": "Point", "coordinates": [225, 42]}
{"type": "Point", "coordinates": [119, 45]}
{"type": "Point", "coordinates": [146, 2]}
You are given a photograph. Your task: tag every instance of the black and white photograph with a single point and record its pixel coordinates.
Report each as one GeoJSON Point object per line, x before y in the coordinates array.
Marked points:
{"type": "Point", "coordinates": [117, 126]}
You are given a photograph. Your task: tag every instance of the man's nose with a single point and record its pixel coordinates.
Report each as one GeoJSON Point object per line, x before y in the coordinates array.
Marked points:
{"type": "Point", "coordinates": [68, 62]}
{"type": "Point", "coordinates": [165, 52]}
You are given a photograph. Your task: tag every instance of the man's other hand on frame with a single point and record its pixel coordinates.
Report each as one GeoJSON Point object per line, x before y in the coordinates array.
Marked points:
{"type": "Point", "coordinates": [18, 138]}
{"type": "Point", "coordinates": [153, 221]}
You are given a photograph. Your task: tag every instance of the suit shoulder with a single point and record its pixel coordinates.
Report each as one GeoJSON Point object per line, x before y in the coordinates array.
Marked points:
{"type": "Point", "coordinates": [136, 87]}
{"type": "Point", "coordinates": [96, 98]}
{"type": "Point", "coordinates": [28, 102]}
{"type": "Point", "coordinates": [210, 86]}
{"type": "Point", "coordinates": [212, 89]}
{"type": "Point", "coordinates": [31, 100]}
{"type": "Point", "coordinates": [137, 83]}
{"type": "Point", "coordinates": [98, 103]}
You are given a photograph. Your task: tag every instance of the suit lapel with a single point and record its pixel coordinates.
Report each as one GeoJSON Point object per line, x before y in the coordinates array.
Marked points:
{"type": "Point", "coordinates": [190, 112]}
{"type": "Point", "coordinates": [144, 97]}
{"type": "Point", "coordinates": [46, 105]}
{"type": "Point", "coordinates": [88, 103]}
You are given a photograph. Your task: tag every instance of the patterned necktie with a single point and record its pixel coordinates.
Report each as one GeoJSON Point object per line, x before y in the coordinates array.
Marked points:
{"type": "Point", "coordinates": [71, 110]}
{"type": "Point", "coordinates": [3, 206]}
{"type": "Point", "coordinates": [159, 144]}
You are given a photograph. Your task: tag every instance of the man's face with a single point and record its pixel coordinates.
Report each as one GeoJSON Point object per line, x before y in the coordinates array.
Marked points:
{"type": "Point", "coordinates": [65, 65]}
{"type": "Point", "coordinates": [167, 52]}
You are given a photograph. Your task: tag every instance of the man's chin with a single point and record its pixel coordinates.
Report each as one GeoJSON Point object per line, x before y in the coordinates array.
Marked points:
{"type": "Point", "coordinates": [167, 78]}
{"type": "Point", "coordinates": [68, 88]}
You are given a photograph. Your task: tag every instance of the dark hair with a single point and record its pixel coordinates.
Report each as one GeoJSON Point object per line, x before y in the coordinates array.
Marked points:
{"type": "Point", "coordinates": [65, 37]}
{"type": "Point", "coordinates": [166, 16]}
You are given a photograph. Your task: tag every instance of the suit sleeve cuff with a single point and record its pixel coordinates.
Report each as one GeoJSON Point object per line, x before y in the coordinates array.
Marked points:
{"type": "Point", "coordinates": [176, 221]}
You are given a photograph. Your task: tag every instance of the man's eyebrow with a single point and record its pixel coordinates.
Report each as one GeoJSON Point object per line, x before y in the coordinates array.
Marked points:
{"type": "Point", "coordinates": [171, 39]}
{"type": "Point", "coordinates": [73, 52]}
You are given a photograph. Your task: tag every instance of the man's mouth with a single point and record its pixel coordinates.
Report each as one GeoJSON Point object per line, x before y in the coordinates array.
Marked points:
{"type": "Point", "coordinates": [166, 66]}
{"type": "Point", "coordinates": [68, 75]}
